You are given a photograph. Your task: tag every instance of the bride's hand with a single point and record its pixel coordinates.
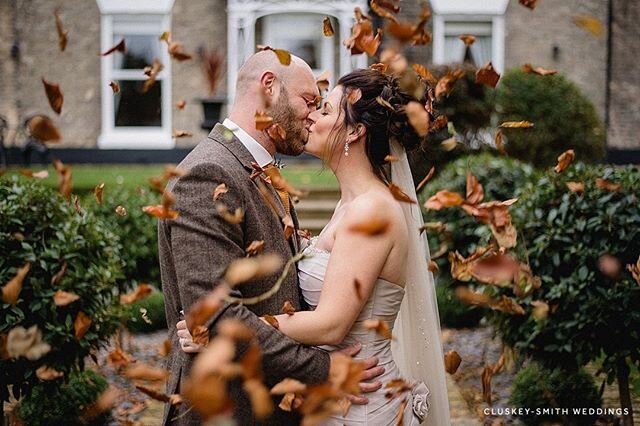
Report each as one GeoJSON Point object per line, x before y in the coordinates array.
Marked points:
{"type": "Point", "coordinates": [186, 341]}
{"type": "Point", "coordinates": [371, 371]}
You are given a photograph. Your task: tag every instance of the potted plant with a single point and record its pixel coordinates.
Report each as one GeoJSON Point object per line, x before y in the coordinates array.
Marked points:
{"type": "Point", "coordinates": [213, 63]}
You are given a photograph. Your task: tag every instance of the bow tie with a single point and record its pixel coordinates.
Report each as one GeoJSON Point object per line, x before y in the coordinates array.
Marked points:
{"type": "Point", "coordinates": [278, 183]}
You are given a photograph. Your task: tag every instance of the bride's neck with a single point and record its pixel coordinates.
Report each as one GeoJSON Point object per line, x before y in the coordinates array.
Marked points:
{"type": "Point", "coordinates": [355, 176]}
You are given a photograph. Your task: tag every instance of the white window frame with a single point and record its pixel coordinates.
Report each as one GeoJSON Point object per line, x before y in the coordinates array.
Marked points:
{"type": "Point", "coordinates": [472, 11]}
{"type": "Point", "coordinates": [143, 17]}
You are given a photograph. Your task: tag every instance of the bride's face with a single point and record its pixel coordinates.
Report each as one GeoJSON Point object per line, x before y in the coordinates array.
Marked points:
{"type": "Point", "coordinates": [324, 120]}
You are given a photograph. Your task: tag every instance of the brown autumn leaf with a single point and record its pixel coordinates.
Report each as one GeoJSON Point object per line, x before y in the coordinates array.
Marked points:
{"type": "Point", "coordinates": [507, 305]}
{"type": "Point", "coordinates": [181, 104]}
{"type": "Point", "coordinates": [426, 179]}
{"type": "Point", "coordinates": [277, 133]}
{"type": "Point", "coordinates": [207, 394]}
{"type": "Point", "coordinates": [64, 178]}
{"type": "Point", "coordinates": [391, 159]}
{"type": "Point", "coordinates": [171, 172]}
{"type": "Point", "coordinates": [516, 124]}
{"type": "Point", "coordinates": [62, 34]}
{"type": "Point", "coordinates": [115, 87]}
{"type": "Point", "coordinates": [444, 199]}
{"type": "Point", "coordinates": [200, 335]}
{"type": "Point", "coordinates": [499, 142]}
{"type": "Point", "coordinates": [287, 308]}
{"type": "Point", "coordinates": [120, 47]}
{"type": "Point", "coordinates": [253, 268]}
{"type": "Point", "coordinates": [385, 9]}
{"type": "Point", "coordinates": [160, 211]}
{"type": "Point", "coordinates": [152, 72]}
{"type": "Point", "coordinates": [487, 375]}
{"type": "Point", "coordinates": [506, 236]}
{"type": "Point", "coordinates": [11, 290]}
{"type": "Point", "coordinates": [397, 387]}
{"type": "Point", "coordinates": [418, 117]}
{"type": "Point", "coordinates": [287, 402]}
{"type": "Point", "coordinates": [436, 227]}
{"type": "Point", "coordinates": [635, 270]}
{"type": "Point", "coordinates": [121, 211]}
{"type": "Point", "coordinates": [399, 195]}
{"type": "Point", "coordinates": [433, 266]}
{"type": "Point", "coordinates": [181, 134]}
{"type": "Point", "coordinates": [461, 267]}
{"type": "Point", "coordinates": [289, 227]}
{"type": "Point", "coordinates": [531, 4]}
{"type": "Point", "coordinates": [45, 373]}
{"type": "Point", "coordinates": [165, 348]}
{"type": "Point", "coordinates": [425, 74]}
{"type": "Point", "coordinates": [42, 174]}
{"type": "Point", "coordinates": [261, 402]}
{"type": "Point", "coordinates": [487, 75]}
{"type": "Point", "coordinates": [408, 32]}
{"type": "Point", "coordinates": [284, 57]}
{"type": "Point", "coordinates": [590, 24]}
{"type": "Point", "coordinates": [233, 218]}
{"type": "Point", "coordinates": [362, 39]}
{"type": "Point", "coordinates": [380, 67]}
{"type": "Point", "coordinates": [254, 248]}
{"type": "Point", "coordinates": [57, 277]}
{"type": "Point", "coordinates": [42, 128]}
{"type": "Point", "coordinates": [118, 358]}
{"type": "Point", "coordinates": [288, 386]}
{"type": "Point", "coordinates": [467, 39]}
{"type": "Point", "coordinates": [63, 298]}
{"type": "Point", "coordinates": [496, 269]}
{"type": "Point", "coordinates": [353, 95]}
{"type": "Point", "coordinates": [54, 95]}
{"type": "Point", "coordinates": [564, 160]}
{"type": "Point", "coordinates": [273, 321]}
{"type": "Point", "coordinates": [529, 69]}
{"type": "Point", "coordinates": [105, 402]}
{"type": "Point", "coordinates": [445, 84]}
{"type": "Point", "coordinates": [205, 307]}
{"type": "Point", "coordinates": [176, 52]}
{"type": "Point", "coordinates": [607, 185]}
{"type": "Point", "coordinates": [159, 396]}
{"type": "Point", "coordinates": [472, 298]}
{"type": "Point", "coordinates": [452, 361]}
{"type": "Point", "coordinates": [322, 81]}
{"type": "Point", "coordinates": [577, 187]}
{"type": "Point", "coordinates": [97, 192]}
{"type": "Point", "coordinates": [327, 28]}
{"type": "Point", "coordinates": [141, 371]}
{"type": "Point", "coordinates": [263, 120]}
{"type": "Point", "coordinates": [81, 325]}
{"type": "Point", "coordinates": [27, 343]}
{"type": "Point", "coordinates": [450, 143]}
{"type": "Point", "coordinates": [371, 227]}
{"type": "Point", "coordinates": [379, 327]}
{"type": "Point", "coordinates": [142, 291]}
{"type": "Point", "coordinates": [540, 310]}
{"type": "Point", "coordinates": [475, 191]}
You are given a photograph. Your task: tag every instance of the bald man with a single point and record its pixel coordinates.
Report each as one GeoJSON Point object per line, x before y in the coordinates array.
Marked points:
{"type": "Point", "coordinates": [197, 246]}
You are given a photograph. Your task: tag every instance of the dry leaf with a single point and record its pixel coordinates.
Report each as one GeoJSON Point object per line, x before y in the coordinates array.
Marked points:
{"type": "Point", "coordinates": [353, 95]}
{"type": "Point", "coordinates": [391, 159]}
{"type": "Point", "coordinates": [564, 160]}
{"type": "Point", "coordinates": [472, 298]}
{"type": "Point", "coordinates": [42, 128]}
{"type": "Point", "coordinates": [452, 361]}
{"type": "Point", "coordinates": [27, 343]}
{"type": "Point", "coordinates": [97, 191]}
{"type": "Point", "coordinates": [467, 39]}
{"type": "Point", "coordinates": [516, 125]}
{"type": "Point", "coordinates": [283, 56]}
{"type": "Point", "coordinates": [531, 4]}
{"type": "Point", "coordinates": [235, 218]}
{"type": "Point", "coordinates": [371, 227]}
{"type": "Point", "coordinates": [418, 117]}
{"type": "Point", "coordinates": [11, 290]}
{"type": "Point", "coordinates": [165, 349]}
{"type": "Point", "coordinates": [152, 72]}
{"type": "Point", "coordinates": [322, 81]}
{"type": "Point", "coordinates": [449, 144]}
{"type": "Point", "coordinates": [254, 268]}
{"type": "Point", "coordinates": [444, 199]}
{"type": "Point", "coordinates": [205, 307]}
{"type": "Point", "coordinates": [507, 305]}
{"type": "Point", "coordinates": [379, 327]}
{"type": "Point", "coordinates": [635, 270]}
{"type": "Point", "coordinates": [159, 211]}
{"type": "Point", "coordinates": [254, 248]}
{"type": "Point", "coordinates": [120, 47]}
{"type": "Point", "coordinates": [496, 269]}
{"type": "Point", "coordinates": [181, 104]}
{"type": "Point", "coordinates": [487, 374]}
{"type": "Point", "coordinates": [277, 133]}
{"type": "Point", "coordinates": [529, 69]}
{"type": "Point", "coordinates": [181, 134]}
{"type": "Point", "coordinates": [590, 24]}
{"type": "Point", "coordinates": [47, 373]}
{"type": "Point", "coordinates": [54, 94]}
{"type": "Point", "coordinates": [499, 142]}
{"type": "Point", "coordinates": [287, 308]}
{"type": "Point", "coordinates": [423, 182]}
{"type": "Point", "coordinates": [115, 87]}
{"type": "Point", "coordinates": [263, 121]}
{"type": "Point", "coordinates": [475, 191]}
{"type": "Point", "coordinates": [440, 122]}
{"type": "Point", "coordinates": [433, 266]}
{"type": "Point", "coordinates": [606, 185]}
{"type": "Point", "coordinates": [121, 211]}
{"type": "Point", "coordinates": [81, 325]}
{"type": "Point", "coordinates": [64, 178]}
{"type": "Point", "coordinates": [399, 195]}
{"type": "Point", "coordinates": [63, 298]}
{"type": "Point", "coordinates": [159, 396]}
{"type": "Point", "coordinates": [62, 34]}
{"type": "Point", "coordinates": [60, 274]}
{"type": "Point", "coordinates": [207, 394]}
{"type": "Point", "coordinates": [577, 187]}
{"type": "Point", "coordinates": [327, 28]}
{"type": "Point", "coordinates": [289, 226]}
{"type": "Point", "coordinates": [380, 67]}
{"type": "Point", "coordinates": [105, 402]}
{"type": "Point", "coordinates": [200, 335]}
{"type": "Point", "coordinates": [540, 310]}
{"type": "Point", "coordinates": [288, 386]}
{"type": "Point", "coordinates": [286, 404]}
{"type": "Point", "coordinates": [445, 84]}
{"type": "Point", "coordinates": [140, 371]}
{"type": "Point", "coordinates": [142, 291]}
{"type": "Point", "coordinates": [487, 75]}
{"type": "Point", "coordinates": [425, 74]}
{"type": "Point", "coordinates": [273, 321]}
{"type": "Point", "coordinates": [362, 39]}
{"type": "Point", "coordinates": [261, 403]}
{"type": "Point", "coordinates": [176, 52]}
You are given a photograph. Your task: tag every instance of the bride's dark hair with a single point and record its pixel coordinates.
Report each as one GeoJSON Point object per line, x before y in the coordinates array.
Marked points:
{"type": "Point", "coordinates": [381, 109]}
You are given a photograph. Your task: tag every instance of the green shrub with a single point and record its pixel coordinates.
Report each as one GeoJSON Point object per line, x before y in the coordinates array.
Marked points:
{"type": "Point", "coordinates": [537, 388]}
{"type": "Point", "coordinates": [37, 226]}
{"type": "Point", "coordinates": [50, 405]}
{"type": "Point", "coordinates": [502, 178]}
{"type": "Point", "coordinates": [136, 231]}
{"type": "Point", "coordinates": [563, 118]}
{"type": "Point", "coordinates": [153, 305]}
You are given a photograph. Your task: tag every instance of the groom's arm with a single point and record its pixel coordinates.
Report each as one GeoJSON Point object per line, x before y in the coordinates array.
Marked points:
{"type": "Point", "coordinates": [203, 245]}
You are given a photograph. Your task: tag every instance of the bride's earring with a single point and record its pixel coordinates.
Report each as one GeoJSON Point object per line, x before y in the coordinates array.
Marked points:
{"type": "Point", "coordinates": [346, 149]}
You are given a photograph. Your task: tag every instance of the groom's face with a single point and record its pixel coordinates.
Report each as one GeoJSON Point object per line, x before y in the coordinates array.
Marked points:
{"type": "Point", "coordinates": [291, 109]}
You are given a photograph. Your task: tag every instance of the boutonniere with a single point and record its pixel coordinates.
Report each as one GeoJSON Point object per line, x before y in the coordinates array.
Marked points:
{"type": "Point", "coordinates": [279, 164]}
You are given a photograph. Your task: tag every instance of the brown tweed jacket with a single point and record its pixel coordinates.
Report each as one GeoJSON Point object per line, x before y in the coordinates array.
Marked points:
{"type": "Point", "coordinates": [194, 251]}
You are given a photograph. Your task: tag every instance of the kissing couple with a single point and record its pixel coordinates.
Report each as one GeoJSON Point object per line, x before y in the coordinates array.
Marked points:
{"type": "Point", "coordinates": [361, 133]}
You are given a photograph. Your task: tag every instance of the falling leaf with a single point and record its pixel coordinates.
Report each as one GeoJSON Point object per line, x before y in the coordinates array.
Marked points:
{"type": "Point", "coordinates": [418, 117]}
{"type": "Point", "coordinates": [531, 4]}
{"type": "Point", "coordinates": [577, 187]}
{"type": "Point", "coordinates": [63, 298]}
{"type": "Point", "coordinates": [104, 402]}
{"type": "Point", "coordinates": [207, 394]}
{"type": "Point", "coordinates": [507, 305]}
{"type": "Point", "coordinates": [487, 374]}
{"type": "Point", "coordinates": [283, 55]}
{"type": "Point", "coordinates": [409, 32]}
{"type": "Point", "coordinates": [171, 172]}
{"type": "Point", "coordinates": [433, 266]}
{"type": "Point", "coordinates": [200, 335]}
{"type": "Point", "coordinates": [467, 39]}
{"type": "Point", "coordinates": [205, 307]}
{"type": "Point", "coordinates": [11, 290]}
{"type": "Point", "coordinates": [444, 199]}
{"type": "Point", "coordinates": [437, 227]}
{"type": "Point", "coordinates": [391, 159]}
{"type": "Point", "coordinates": [121, 211]}
{"type": "Point", "coordinates": [261, 403]}
{"type": "Point", "coordinates": [471, 297]}
{"type": "Point", "coordinates": [62, 34]}
{"type": "Point", "coordinates": [353, 95]}
{"type": "Point", "coordinates": [159, 211]}
{"type": "Point", "coordinates": [496, 269]}
{"type": "Point", "coordinates": [327, 28]}
{"type": "Point", "coordinates": [254, 248]}
{"type": "Point", "coordinates": [371, 227]}
{"type": "Point", "coordinates": [273, 321]}
{"type": "Point", "coordinates": [288, 386]}
{"type": "Point", "coordinates": [590, 24]}
{"type": "Point", "coordinates": [55, 279]}
{"type": "Point", "coordinates": [379, 327]}
{"type": "Point", "coordinates": [516, 125]}
{"type": "Point", "coordinates": [182, 134]}
{"type": "Point", "coordinates": [254, 268]}
{"type": "Point", "coordinates": [165, 348]}
{"type": "Point", "coordinates": [475, 192]}
{"type": "Point", "coordinates": [54, 94]}
{"type": "Point", "coordinates": [397, 387]}
{"type": "Point", "coordinates": [635, 270]}
{"type": "Point", "coordinates": [607, 185]}
{"type": "Point", "coordinates": [27, 343]}
{"type": "Point", "coordinates": [445, 84]}
{"type": "Point", "coordinates": [529, 69]}
{"type": "Point", "coordinates": [487, 75]}
{"type": "Point", "coordinates": [118, 358]}
{"type": "Point", "coordinates": [42, 128]}
{"type": "Point", "coordinates": [423, 182]}
{"type": "Point", "coordinates": [235, 329]}
{"type": "Point", "coordinates": [142, 291]}
{"type": "Point", "coordinates": [499, 142]}
{"type": "Point", "coordinates": [564, 160]}
{"type": "Point", "coordinates": [289, 226]}
{"type": "Point", "coordinates": [181, 104]}
{"type": "Point", "coordinates": [151, 72]}
{"type": "Point", "coordinates": [540, 310]}
{"type": "Point", "coordinates": [287, 308]}
{"type": "Point", "coordinates": [440, 122]}
{"type": "Point", "coordinates": [64, 178]}
{"type": "Point", "coordinates": [399, 195]}
{"type": "Point", "coordinates": [452, 361]}
{"type": "Point", "coordinates": [362, 39]}
{"type": "Point", "coordinates": [449, 144]}
{"type": "Point", "coordinates": [141, 371]}
{"type": "Point", "coordinates": [263, 121]}
{"type": "Point", "coordinates": [120, 47]}
{"type": "Point", "coordinates": [277, 133]}
{"type": "Point", "coordinates": [47, 373]}
{"type": "Point", "coordinates": [115, 87]}
{"type": "Point", "coordinates": [81, 325]}
{"type": "Point", "coordinates": [233, 218]}
{"type": "Point", "coordinates": [159, 396]}
{"type": "Point", "coordinates": [176, 52]}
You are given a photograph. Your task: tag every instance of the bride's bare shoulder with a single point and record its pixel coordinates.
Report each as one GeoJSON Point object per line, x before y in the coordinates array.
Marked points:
{"type": "Point", "coordinates": [375, 204]}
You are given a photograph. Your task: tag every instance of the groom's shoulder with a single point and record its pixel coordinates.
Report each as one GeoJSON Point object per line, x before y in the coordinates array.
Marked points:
{"type": "Point", "coordinates": [210, 154]}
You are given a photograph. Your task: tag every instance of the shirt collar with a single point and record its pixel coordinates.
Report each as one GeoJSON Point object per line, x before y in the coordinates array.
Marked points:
{"type": "Point", "coordinates": [257, 151]}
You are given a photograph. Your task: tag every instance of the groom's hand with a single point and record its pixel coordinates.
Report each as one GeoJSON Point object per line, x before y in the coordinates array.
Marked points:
{"type": "Point", "coordinates": [371, 371]}
{"type": "Point", "coordinates": [186, 340]}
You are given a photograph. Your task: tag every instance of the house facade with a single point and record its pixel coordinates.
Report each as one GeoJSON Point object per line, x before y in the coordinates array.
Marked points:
{"type": "Point", "coordinates": [606, 66]}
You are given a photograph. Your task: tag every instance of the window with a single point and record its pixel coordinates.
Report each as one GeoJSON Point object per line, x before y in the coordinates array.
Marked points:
{"type": "Point", "coordinates": [455, 51]}
{"type": "Point", "coordinates": [137, 116]}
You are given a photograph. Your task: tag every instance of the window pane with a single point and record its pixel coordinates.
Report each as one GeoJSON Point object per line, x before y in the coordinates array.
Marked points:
{"type": "Point", "coordinates": [134, 108]}
{"type": "Point", "coordinates": [141, 49]}
{"type": "Point", "coordinates": [300, 34]}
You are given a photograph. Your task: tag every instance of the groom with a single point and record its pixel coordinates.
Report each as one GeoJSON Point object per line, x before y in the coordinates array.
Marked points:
{"type": "Point", "coordinates": [195, 248]}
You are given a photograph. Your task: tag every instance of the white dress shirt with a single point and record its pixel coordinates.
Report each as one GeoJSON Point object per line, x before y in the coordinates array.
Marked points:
{"type": "Point", "coordinates": [257, 151]}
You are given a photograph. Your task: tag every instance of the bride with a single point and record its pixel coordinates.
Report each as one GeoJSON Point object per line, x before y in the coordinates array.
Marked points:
{"type": "Point", "coordinates": [349, 277]}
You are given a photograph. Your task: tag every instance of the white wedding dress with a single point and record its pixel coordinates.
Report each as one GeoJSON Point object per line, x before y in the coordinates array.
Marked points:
{"type": "Point", "coordinates": [383, 304]}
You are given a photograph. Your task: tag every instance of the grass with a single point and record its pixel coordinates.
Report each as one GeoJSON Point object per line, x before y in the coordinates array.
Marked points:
{"type": "Point", "coordinates": [86, 177]}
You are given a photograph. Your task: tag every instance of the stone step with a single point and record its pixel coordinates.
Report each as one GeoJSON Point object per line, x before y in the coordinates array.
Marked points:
{"type": "Point", "coordinates": [321, 193]}
{"type": "Point", "coordinates": [313, 225]}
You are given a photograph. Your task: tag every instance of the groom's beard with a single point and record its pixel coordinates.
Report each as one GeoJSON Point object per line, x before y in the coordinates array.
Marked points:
{"type": "Point", "coordinates": [296, 134]}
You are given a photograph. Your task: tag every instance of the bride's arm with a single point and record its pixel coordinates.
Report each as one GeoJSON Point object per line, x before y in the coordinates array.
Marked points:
{"type": "Point", "coordinates": [354, 256]}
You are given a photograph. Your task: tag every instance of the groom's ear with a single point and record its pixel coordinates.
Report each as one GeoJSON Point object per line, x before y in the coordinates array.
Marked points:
{"type": "Point", "coordinates": [356, 133]}
{"type": "Point", "coordinates": [268, 82]}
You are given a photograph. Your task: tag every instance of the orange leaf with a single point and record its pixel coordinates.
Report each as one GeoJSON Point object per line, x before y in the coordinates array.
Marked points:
{"type": "Point", "coordinates": [516, 125]}
{"type": "Point", "coordinates": [606, 185]}
{"type": "Point", "coordinates": [181, 104]}
{"type": "Point", "coordinates": [159, 396]}
{"type": "Point", "coordinates": [181, 134]}
{"type": "Point", "coordinates": [440, 122]}
{"type": "Point", "coordinates": [531, 4]}
{"type": "Point", "coordinates": [384, 9]}
{"type": "Point", "coordinates": [233, 218]}
{"type": "Point", "coordinates": [499, 142]}
{"type": "Point", "coordinates": [81, 325]}
{"type": "Point", "coordinates": [487, 75]}
{"type": "Point", "coordinates": [433, 266]}
{"type": "Point", "coordinates": [444, 199]}
{"type": "Point", "coordinates": [353, 95]}
{"type": "Point", "coordinates": [62, 34]}
{"type": "Point", "coordinates": [105, 402]}
{"type": "Point", "coordinates": [54, 94]}
{"type": "Point", "coordinates": [205, 307]}
{"type": "Point", "coordinates": [564, 160]}
{"type": "Point", "coordinates": [423, 182]}
{"type": "Point", "coordinates": [327, 28]}
{"type": "Point", "coordinates": [142, 291]}
{"type": "Point", "coordinates": [176, 53]}
{"type": "Point", "coordinates": [63, 298]}
{"type": "Point", "coordinates": [371, 227]}
{"type": "Point", "coordinates": [418, 117]}
{"type": "Point", "coordinates": [45, 373]}
{"type": "Point", "coordinates": [140, 371]}
{"type": "Point", "coordinates": [60, 274]}
{"type": "Point", "coordinates": [273, 321]}
{"type": "Point", "coordinates": [475, 192]}
{"type": "Point", "coordinates": [118, 358]}
{"type": "Point", "coordinates": [115, 87]}
{"type": "Point", "coordinates": [289, 227]}
{"type": "Point", "coordinates": [529, 69]}
{"type": "Point", "coordinates": [445, 84]}
{"type": "Point", "coordinates": [452, 361]}
{"type": "Point", "coordinates": [277, 133]}
{"type": "Point", "coordinates": [254, 248]}
{"type": "Point", "coordinates": [635, 270]}
{"type": "Point", "coordinates": [540, 310]}
{"type": "Point", "coordinates": [496, 269]}
{"type": "Point", "coordinates": [263, 121]}
{"type": "Point", "coordinates": [120, 47]}
{"type": "Point", "coordinates": [287, 308]}
{"type": "Point", "coordinates": [577, 187]}
{"type": "Point", "coordinates": [399, 195]}
{"type": "Point", "coordinates": [487, 374]}
{"type": "Point", "coordinates": [160, 212]}
{"type": "Point", "coordinates": [253, 268]}
{"type": "Point", "coordinates": [379, 327]}
{"type": "Point", "coordinates": [467, 39]}
{"type": "Point", "coordinates": [200, 335]}
{"type": "Point", "coordinates": [41, 127]}
{"type": "Point", "coordinates": [507, 305]}
{"type": "Point", "coordinates": [207, 394]}
{"type": "Point", "coordinates": [261, 403]}
{"type": "Point", "coordinates": [288, 386]}
{"type": "Point", "coordinates": [425, 74]}
{"type": "Point", "coordinates": [322, 81]}
{"type": "Point", "coordinates": [11, 290]}
{"type": "Point", "coordinates": [97, 191]}
{"type": "Point", "coordinates": [590, 24]}
{"type": "Point", "coordinates": [165, 349]}
{"type": "Point", "coordinates": [472, 298]}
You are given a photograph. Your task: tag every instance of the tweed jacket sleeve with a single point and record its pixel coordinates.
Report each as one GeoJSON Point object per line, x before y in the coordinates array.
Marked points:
{"type": "Point", "coordinates": [203, 244]}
